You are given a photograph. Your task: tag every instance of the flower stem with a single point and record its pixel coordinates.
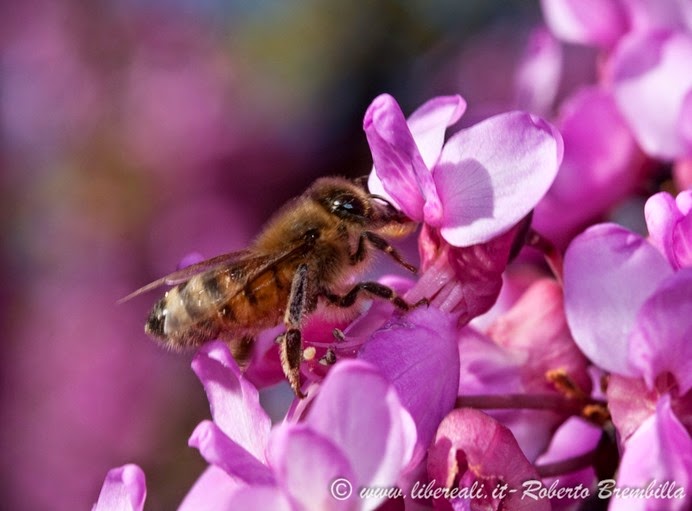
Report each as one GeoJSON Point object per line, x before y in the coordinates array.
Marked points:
{"type": "Point", "coordinates": [553, 402]}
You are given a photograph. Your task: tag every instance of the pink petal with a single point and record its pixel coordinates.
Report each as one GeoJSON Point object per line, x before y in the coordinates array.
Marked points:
{"type": "Point", "coordinates": [682, 174]}
{"type": "Point", "coordinates": [563, 446]}
{"type": "Point", "coordinates": [124, 489]}
{"type": "Point", "coordinates": [418, 355]}
{"type": "Point", "coordinates": [660, 451]}
{"type": "Point", "coordinates": [652, 78]}
{"type": "Point", "coordinates": [591, 22]}
{"type": "Point", "coordinates": [219, 450]}
{"type": "Point", "coordinates": [260, 497]}
{"type": "Point", "coordinates": [487, 368]}
{"type": "Point", "coordinates": [429, 123]}
{"type": "Point", "coordinates": [630, 403]}
{"type": "Point", "coordinates": [379, 435]}
{"type": "Point", "coordinates": [599, 168]}
{"type": "Point", "coordinates": [492, 174]}
{"type": "Point", "coordinates": [535, 332]}
{"type": "Point", "coordinates": [682, 232]}
{"type": "Point", "coordinates": [662, 215]}
{"type": "Point", "coordinates": [306, 465]}
{"type": "Point", "coordinates": [609, 273]}
{"type": "Point", "coordinates": [536, 328]}
{"type": "Point", "coordinates": [682, 242]}
{"type": "Point", "coordinates": [538, 76]}
{"type": "Point", "coordinates": [462, 280]}
{"type": "Point", "coordinates": [233, 400]}
{"type": "Point", "coordinates": [490, 454]}
{"type": "Point", "coordinates": [213, 490]}
{"type": "Point", "coordinates": [398, 162]}
{"type": "Point", "coordinates": [646, 16]}
{"type": "Point", "coordinates": [661, 338]}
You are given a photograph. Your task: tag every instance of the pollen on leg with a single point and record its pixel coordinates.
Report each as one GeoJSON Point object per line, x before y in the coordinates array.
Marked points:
{"type": "Point", "coordinates": [309, 353]}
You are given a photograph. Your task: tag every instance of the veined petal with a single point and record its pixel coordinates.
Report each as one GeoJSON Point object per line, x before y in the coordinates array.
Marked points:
{"type": "Point", "coordinates": [360, 411]}
{"type": "Point", "coordinates": [493, 174]}
{"type": "Point", "coordinates": [470, 446]}
{"type": "Point", "coordinates": [213, 490]}
{"type": "Point", "coordinates": [233, 400]}
{"type": "Point", "coordinates": [652, 78]}
{"type": "Point", "coordinates": [418, 355]}
{"type": "Point", "coordinates": [429, 123]}
{"type": "Point", "coordinates": [398, 162]}
{"type": "Point", "coordinates": [682, 242]}
{"type": "Point", "coordinates": [662, 215]}
{"type": "Point", "coordinates": [306, 465]}
{"type": "Point", "coordinates": [659, 451]}
{"type": "Point", "coordinates": [609, 273]}
{"type": "Point", "coordinates": [124, 489]}
{"type": "Point", "coordinates": [630, 403]}
{"type": "Point", "coordinates": [219, 450]}
{"type": "Point", "coordinates": [661, 338]}
{"type": "Point", "coordinates": [592, 22]}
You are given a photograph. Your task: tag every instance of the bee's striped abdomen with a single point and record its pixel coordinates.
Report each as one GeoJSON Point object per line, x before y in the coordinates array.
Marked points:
{"type": "Point", "coordinates": [187, 314]}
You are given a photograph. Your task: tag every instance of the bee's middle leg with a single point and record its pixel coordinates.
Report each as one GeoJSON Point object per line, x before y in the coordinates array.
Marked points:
{"type": "Point", "coordinates": [290, 342]}
{"type": "Point", "coordinates": [371, 288]}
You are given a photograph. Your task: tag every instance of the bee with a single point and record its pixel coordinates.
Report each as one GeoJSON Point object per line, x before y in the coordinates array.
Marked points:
{"type": "Point", "coordinates": [309, 252]}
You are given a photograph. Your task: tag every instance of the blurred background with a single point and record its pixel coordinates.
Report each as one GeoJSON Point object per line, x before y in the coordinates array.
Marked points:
{"type": "Point", "coordinates": [136, 132]}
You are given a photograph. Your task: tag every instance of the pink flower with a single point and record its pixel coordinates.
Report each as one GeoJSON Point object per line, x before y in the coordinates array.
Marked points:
{"type": "Point", "coordinates": [602, 165]}
{"type": "Point", "coordinates": [514, 357]}
{"type": "Point", "coordinates": [472, 450]}
{"type": "Point", "coordinates": [418, 354]}
{"type": "Point", "coordinates": [631, 314]}
{"type": "Point", "coordinates": [472, 188]}
{"type": "Point", "coordinates": [649, 47]}
{"type": "Point", "coordinates": [652, 85]}
{"type": "Point", "coordinates": [292, 466]}
{"type": "Point", "coordinates": [471, 192]}
{"type": "Point", "coordinates": [591, 22]}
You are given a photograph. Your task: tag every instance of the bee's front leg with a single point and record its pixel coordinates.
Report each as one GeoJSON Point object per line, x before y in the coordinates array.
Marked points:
{"type": "Point", "coordinates": [379, 243]}
{"type": "Point", "coordinates": [290, 342]}
{"type": "Point", "coordinates": [373, 289]}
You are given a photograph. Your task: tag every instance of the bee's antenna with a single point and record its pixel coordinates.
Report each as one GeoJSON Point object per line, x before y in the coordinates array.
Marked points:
{"type": "Point", "coordinates": [362, 181]}
{"type": "Point", "coordinates": [380, 198]}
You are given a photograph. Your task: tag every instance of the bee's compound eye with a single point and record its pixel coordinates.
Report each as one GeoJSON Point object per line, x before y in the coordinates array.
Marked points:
{"type": "Point", "coordinates": [348, 205]}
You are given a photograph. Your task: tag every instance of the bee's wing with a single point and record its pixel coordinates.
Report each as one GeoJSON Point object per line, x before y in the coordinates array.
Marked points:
{"type": "Point", "coordinates": [186, 273]}
{"type": "Point", "coordinates": [252, 264]}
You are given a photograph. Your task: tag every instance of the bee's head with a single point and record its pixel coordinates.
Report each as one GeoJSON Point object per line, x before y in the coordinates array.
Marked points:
{"type": "Point", "coordinates": [353, 204]}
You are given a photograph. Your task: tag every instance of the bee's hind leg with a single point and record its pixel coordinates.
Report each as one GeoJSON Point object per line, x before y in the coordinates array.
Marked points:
{"type": "Point", "coordinates": [242, 349]}
{"type": "Point", "coordinates": [290, 342]}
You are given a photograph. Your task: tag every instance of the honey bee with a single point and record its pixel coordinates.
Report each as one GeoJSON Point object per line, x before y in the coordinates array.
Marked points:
{"type": "Point", "coordinates": [306, 253]}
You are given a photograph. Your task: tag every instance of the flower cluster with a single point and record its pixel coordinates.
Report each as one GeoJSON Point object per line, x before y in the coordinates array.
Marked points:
{"type": "Point", "coordinates": [513, 388]}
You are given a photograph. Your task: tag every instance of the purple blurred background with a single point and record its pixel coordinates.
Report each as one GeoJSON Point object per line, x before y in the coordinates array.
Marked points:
{"type": "Point", "coordinates": [133, 133]}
